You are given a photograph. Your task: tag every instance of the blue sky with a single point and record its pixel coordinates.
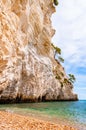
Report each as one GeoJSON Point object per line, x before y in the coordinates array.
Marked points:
{"type": "Point", "coordinates": [70, 24]}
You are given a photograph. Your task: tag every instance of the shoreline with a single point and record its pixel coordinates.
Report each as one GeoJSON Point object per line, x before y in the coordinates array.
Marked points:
{"type": "Point", "coordinates": [12, 121]}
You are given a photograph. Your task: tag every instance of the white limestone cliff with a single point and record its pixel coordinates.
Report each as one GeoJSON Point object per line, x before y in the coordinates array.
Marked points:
{"type": "Point", "coordinates": [27, 66]}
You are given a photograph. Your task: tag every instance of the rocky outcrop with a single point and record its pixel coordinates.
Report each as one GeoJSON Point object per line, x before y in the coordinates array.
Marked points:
{"type": "Point", "coordinates": [28, 70]}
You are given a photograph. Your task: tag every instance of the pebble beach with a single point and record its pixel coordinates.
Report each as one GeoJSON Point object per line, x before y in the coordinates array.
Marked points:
{"type": "Point", "coordinates": [11, 121]}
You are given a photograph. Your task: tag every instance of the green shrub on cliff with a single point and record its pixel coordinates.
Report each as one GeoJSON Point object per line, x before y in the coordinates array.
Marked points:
{"type": "Point", "coordinates": [58, 77]}
{"type": "Point", "coordinates": [61, 59]}
{"type": "Point", "coordinates": [57, 49]}
{"type": "Point", "coordinates": [55, 2]}
{"type": "Point", "coordinates": [72, 78]}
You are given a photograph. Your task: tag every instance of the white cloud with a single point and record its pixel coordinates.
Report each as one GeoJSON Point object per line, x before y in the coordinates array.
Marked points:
{"type": "Point", "coordinates": [70, 24]}
{"type": "Point", "coordinates": [70, 10]}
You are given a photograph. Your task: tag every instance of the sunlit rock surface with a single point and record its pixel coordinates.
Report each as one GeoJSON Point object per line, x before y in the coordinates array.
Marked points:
{"type": "Point", "coordinates": [28, 70]}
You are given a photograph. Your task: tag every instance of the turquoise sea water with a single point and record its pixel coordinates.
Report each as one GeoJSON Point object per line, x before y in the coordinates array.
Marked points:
{"type": "Point", "coordinates": [71, 113]}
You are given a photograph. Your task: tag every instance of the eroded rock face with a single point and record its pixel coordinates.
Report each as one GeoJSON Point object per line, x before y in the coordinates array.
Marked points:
{"type": "Point", "coordinates": [27, 66]}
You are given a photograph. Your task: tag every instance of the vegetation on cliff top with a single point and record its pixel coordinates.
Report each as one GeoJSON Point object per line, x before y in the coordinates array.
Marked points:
{"type": "Point", "coordinates": [55, 2]}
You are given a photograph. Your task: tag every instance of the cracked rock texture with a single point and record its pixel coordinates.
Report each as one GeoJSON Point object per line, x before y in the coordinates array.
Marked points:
{"type": "Point", "coordinates": [28, 70]}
